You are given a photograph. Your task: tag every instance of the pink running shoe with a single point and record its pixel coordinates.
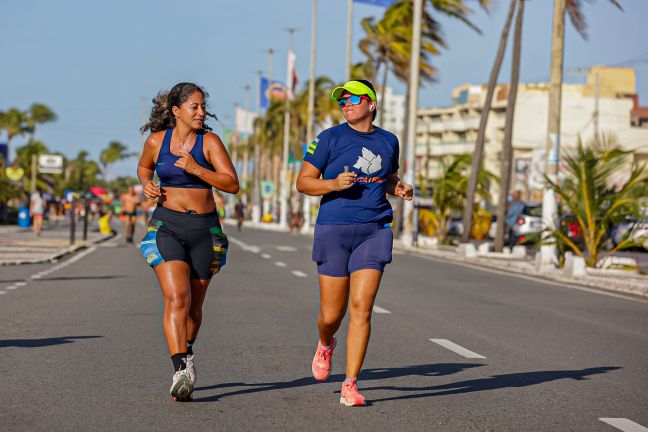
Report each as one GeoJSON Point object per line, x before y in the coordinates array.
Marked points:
{"type": "Point", "coordinates": [350, 396]}
{"type": "Point", "coordinates": [322, 361]}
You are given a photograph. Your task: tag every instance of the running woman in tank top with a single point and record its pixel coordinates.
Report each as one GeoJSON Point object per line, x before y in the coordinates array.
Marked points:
{"type": "Point", "coordinates": [184, 243]}
{"type": "Point", "coordinates": [353, 166]}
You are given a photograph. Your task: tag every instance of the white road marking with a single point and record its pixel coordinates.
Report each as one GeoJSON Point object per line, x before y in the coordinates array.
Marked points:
{"type": "Point", "coordinates": [266, 256]}
{"type": "Point", "coordinates": [286, 248]}
{"type": "Point", "coordinates": [299, 273]}
{"type": "Point", "coordinates": [280, 264]}
{"type": "Point", "coordinates": [3, 292]}
{"type": "Point", "coordinates": [378, 309]}
{"type": "Point", "coordinates": [624, 424]}
{"type": "Point", "coordinates": [37, 276]}
{"type": "Point", "coordinates": [457, 348]}
{"type": "Point", "coordinates": [12, 287]}
{"type": "Point", "coordinates": [246, 247]}
{"type": "Point", "coordinates": [20, 284]}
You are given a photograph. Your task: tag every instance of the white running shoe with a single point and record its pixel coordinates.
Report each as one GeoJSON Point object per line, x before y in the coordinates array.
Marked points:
{"type": "Point", "coordinates": [182, 387]}
{"type": "Point", "coordinates": [191, 369]}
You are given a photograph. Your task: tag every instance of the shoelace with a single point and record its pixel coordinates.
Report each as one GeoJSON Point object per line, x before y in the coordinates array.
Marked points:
{"type": "Point", "coordinates": [324, 354]}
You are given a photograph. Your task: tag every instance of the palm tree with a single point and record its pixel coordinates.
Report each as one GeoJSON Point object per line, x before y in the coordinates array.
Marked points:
{"type": "Point", "coordinates": [588, 192]}
{"type": "Point", "coordinates": [115, 152]}
{"type": "Point", "coordinates": [38, 114]}
{"type": "Point", "coordinates": [449, 191]}
{"type": "Point", "coordinates": [552, 146]}
{"type": "Point", "coordinates": [24, 157]}
{"type": "Point", "coordinates": [507, 147]}
{"type": "Point", "coordinates": [13, 122]}
{"type": "Point", "coordinates": [481, 134]}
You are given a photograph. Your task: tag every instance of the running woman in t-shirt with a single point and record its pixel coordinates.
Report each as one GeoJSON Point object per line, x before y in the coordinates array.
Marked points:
{"type": "Point", "coordinates": [353, 166]}
{"type": "Point", "coordinates": [184, 243]}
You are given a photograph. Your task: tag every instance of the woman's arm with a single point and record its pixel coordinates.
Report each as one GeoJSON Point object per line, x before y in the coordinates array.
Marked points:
{"type": "Point", "coordinates": [396, 188]}
{"type": "Point", "coordinates": [224, 177]}
{"type": "Point", "coordinates": [310, 183]}
{"type": "Point", "coordinates": [146, 167]}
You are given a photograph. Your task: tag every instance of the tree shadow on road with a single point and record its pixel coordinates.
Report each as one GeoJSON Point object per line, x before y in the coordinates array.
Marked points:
{"type": "Point", "coordinates": [39, 343]}
{"type": "Point", "coordinates": [431, 370]}
{"type": "Point", "coordinates": [496, 382]}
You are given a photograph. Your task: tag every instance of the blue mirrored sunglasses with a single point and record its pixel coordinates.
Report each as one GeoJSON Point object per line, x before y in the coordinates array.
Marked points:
{"type": "Point", "coordinates": [354, 99]}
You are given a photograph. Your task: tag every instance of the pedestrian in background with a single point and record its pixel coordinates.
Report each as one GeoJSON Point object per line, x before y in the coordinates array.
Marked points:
{"type": "Point", "coordinates": [36, 211]}
{"type": "Point", "coordinates": [353, 166]}
{"type": "Point", "coordinates": [185, 243]}
{"type": "Point", "coordinates": [129, 203]}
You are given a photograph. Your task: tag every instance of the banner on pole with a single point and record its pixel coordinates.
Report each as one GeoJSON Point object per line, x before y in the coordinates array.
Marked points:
{"type": "Point", "coordinates": [292, 79]}
{"type": "Point", "coordinates": [50, 164]}
{"type": "Point", "coordinates": [270, 92]}
{"type": "Point", "coordinates": [244, 120]}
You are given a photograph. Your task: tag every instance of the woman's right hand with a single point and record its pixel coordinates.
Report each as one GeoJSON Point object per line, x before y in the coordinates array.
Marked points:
{"type": "Point", "coordinates": [152, 190]}
{"type": "Point", "coordinates": [345, 180]}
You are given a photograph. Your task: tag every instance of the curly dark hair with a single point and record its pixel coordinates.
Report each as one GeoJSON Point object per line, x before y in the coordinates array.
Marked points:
{"type": "Point", "coordinates": [162, 117]}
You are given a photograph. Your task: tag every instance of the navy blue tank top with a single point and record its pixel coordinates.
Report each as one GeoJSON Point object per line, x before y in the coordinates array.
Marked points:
{"type": "Point", "coordinates": [173, 176]}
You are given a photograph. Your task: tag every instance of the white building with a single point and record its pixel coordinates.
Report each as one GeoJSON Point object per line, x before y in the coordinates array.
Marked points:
{"type": "Point", "coordinates": [443, 132]}
{"type": "Point", "coordinates": [394, 112]}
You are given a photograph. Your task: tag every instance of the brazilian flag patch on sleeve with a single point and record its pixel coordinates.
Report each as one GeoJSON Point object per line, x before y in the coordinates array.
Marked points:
{"type": "Point", "coordinates": [312, 146]}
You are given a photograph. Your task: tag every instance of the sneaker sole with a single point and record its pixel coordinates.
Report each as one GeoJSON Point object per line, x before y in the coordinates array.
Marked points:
{"type": "Point", "coordinates": [350, 404]}
{"type": "Point", "coordinates": [182, 391]}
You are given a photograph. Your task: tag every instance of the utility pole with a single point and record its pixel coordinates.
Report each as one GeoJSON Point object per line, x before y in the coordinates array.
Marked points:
{"type": "Point", "coordinates": [349, 40]}
{"type": "Point", "coordinates": [311, 109]}
{"type": "Point", "coordinates": [256, 177]}
{"type": "Point", "coordinates": [246, 149]}
{"type": "Point", "coordinates": [34, 167]}
{"type": "Point", "coordinates": [410, 143]}
{"type": "Point", "coordinates": [548, 258]}
{"type": "Point", "coordinates": [597, 94]}
{"type": "Point", "coordinates": [143, 120]}
{"type": "Point", "coordinates": [283, 178]}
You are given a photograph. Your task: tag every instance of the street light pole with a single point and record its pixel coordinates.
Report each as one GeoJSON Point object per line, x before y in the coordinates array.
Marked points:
{"type": "Point", "coordinates": [311, 108]}
{"type": "Point", "coordinates": [349, 39]}
{"type": "Point", "coordinates": [548, 256]}
{"type": "Point", "coordinates": [283, 178]}
{"type": "Point", "coordinates": [410, 143]}
{"type": "Point", "coordinates": [256, 177]}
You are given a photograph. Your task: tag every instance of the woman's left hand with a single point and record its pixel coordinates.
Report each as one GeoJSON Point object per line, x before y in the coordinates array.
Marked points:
{"type": "Point", "coordinates": [188, 163]}
{"type": "Point", "coordinates": [404, 191]}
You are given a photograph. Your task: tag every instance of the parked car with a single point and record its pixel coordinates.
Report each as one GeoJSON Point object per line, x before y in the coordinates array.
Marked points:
{"type": "Point", "coordinates": [523, 220]}
{"type": "Point", "coordinates": [570, 227]}
{"type": "Point", "coordinates": [639, 232]}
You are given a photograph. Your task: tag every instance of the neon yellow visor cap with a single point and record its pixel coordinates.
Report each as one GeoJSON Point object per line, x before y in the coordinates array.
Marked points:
{"type": "Point", "coordinates": [353, 87]}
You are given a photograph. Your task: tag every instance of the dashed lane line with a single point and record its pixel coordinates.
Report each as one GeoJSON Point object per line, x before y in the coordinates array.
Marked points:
{"type": "Point", "coordinates": [445, 343]}
{"type": "Point", "coordinates": [286, 248]}
{"type": "Point", "coordinates": [266, 256]}
{"type": "Point", "coordinates": [378, 309]}
{"type": "Point", "coordinates": [280, 264]}
{"type": "Point", "coordinates": [299, 273]}
{"type": "Point", "coordinates": [624, 424]}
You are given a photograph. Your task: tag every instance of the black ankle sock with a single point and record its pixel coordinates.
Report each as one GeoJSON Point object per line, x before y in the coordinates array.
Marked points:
{"type": "Point", "coordinates": [190, 346]}
{"type": "Point", "coordinates": [179, 361]}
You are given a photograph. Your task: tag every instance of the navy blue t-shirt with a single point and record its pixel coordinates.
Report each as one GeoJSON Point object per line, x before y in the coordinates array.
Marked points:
{"type": "Point", "coordinates": [373, 156]}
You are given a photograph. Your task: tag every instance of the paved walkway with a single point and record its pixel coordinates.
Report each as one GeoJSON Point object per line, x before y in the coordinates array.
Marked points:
{"type": "Point", "coordinates": [19, 246]}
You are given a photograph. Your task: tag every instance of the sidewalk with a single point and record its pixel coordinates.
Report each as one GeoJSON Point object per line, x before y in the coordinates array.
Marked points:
{"type": "Point", "coordinates": [18, 246]}
{"type": "Point", "coordinates": [610, 280]}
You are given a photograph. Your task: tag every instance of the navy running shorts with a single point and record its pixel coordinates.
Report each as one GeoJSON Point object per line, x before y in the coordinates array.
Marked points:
{"type": "Point", "coordinates": [196, 239]}
{"type": "Point", "coordinates": [339, 250]}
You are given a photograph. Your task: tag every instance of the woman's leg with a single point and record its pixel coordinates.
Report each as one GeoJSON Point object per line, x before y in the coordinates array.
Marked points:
{"type": "Point", "coordinates": [176, 289]}
{"type": "Point", "coordinates": [362, 294]}
{"type": "Point", "coordinates": [194, 319]}
{"type": "Point", "coordinates": [334, 294]}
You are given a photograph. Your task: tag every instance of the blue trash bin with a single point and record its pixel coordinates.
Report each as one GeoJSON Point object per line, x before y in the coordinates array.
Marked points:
{"type": "Point", "coordinates": [24, 221]}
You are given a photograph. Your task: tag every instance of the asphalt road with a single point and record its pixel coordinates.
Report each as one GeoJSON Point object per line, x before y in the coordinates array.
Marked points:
{"type": "Point", "coordinates": [81, 348]}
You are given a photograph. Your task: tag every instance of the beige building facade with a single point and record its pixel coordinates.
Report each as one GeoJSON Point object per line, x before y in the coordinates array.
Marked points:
{"type": "Point", "coordinates": [446, 132]}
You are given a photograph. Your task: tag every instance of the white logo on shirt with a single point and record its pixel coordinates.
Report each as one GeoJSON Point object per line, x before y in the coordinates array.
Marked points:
{"type": "Point", "coordinates": [368, 163]}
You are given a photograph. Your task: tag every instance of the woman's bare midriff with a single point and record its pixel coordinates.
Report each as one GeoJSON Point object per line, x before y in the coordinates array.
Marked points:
{"type": "Point", "coordinates": [184, 199]}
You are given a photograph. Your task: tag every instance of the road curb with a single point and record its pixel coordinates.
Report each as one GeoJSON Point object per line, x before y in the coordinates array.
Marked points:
{"type": "Point", "coordinates": [60, 253]}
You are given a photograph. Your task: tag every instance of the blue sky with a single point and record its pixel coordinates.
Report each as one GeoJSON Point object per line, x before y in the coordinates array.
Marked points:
{"type": "Point", "coordinates": [93, 62]}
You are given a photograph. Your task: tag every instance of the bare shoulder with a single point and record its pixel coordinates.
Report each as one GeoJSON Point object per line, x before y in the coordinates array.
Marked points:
{"type": "Point", "coordinates": [212, 140]}
{"type": "Point", "coordinates": [154, 141]}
